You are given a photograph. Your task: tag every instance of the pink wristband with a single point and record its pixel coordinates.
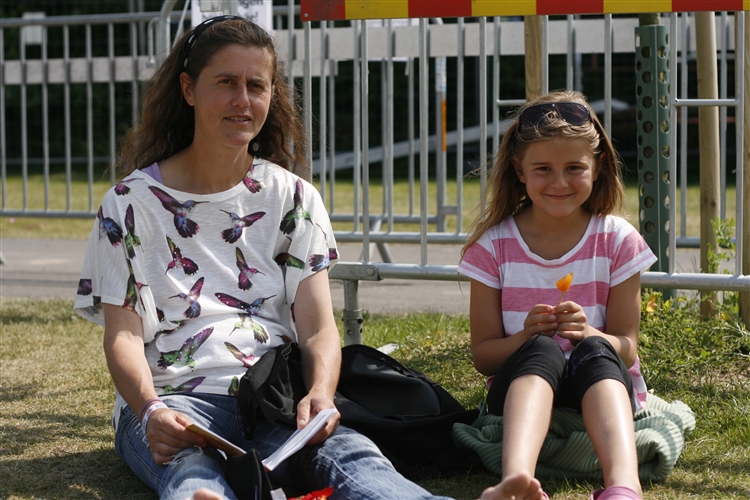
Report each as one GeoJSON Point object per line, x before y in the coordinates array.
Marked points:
{"type": "Point", "coordinates": [145, 406]}
{"type": "Point", "coordinates": [151, 409]}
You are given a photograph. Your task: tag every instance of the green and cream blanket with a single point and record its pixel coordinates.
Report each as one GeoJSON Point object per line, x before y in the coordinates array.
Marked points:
{"type": "Point", "coordinates": [660, 432]}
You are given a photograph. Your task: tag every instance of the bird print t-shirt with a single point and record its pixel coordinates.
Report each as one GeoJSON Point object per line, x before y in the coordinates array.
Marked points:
{"type": "Point", "coordinates": [213, 277]}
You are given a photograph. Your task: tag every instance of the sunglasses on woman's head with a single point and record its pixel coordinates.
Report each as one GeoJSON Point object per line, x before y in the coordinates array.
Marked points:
{"type": "Point", "coordinates": [572, 112]}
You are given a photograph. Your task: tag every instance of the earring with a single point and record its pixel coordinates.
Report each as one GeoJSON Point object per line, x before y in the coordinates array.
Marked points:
{"type": "Point", "coordinates": [255, 147]}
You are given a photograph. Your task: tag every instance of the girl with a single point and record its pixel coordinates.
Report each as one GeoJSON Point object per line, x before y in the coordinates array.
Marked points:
{"type": "Point", "coordinates": [555, 186]}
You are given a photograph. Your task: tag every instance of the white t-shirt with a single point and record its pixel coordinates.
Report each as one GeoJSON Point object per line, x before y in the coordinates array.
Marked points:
{"type": "Point", "coordinates": [213, 277]}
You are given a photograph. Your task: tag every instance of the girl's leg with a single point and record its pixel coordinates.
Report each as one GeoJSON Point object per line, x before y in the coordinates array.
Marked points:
{"type": "Point", "coordinates": [526, 419]}
{"type": "Point", "coordinates": [608, 417]}
{"type": "Point", "coordinates": [523, 392]}
{"type": "Point", "coordinates": [604, 388]}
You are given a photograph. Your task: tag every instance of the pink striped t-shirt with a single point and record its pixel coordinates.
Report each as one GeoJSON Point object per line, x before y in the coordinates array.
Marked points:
{"type": "Point", "coordinates": [610, 252]}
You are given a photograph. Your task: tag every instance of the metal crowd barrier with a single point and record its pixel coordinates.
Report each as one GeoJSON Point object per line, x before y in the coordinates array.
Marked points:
{"type": "Point", "coordinates": [314, 51]}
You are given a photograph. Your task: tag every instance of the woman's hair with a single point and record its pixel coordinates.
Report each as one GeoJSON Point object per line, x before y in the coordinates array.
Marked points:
{"type": "Point", "coordinates": [507, 192]}
{"type": "Point", "coordinates": [167, 121]}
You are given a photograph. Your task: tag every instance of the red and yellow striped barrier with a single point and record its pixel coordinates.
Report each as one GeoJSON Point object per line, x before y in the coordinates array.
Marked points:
{"type": "Point", "coordinates": [333, 10]}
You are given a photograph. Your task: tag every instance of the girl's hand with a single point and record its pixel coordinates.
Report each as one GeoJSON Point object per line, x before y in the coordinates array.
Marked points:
{"type": "Point", "coordinates": [572, 322]}
{"type": "Point", "coordinates": [541, 320]}
{"type": "Point", "coordinates": [167, 435]}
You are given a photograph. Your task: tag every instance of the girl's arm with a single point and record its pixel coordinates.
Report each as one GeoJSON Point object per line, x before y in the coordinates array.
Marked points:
{"type": "Point", "coordinates": [623, 320]}
{"type": "Point", "coordinates": [321, 351]}
{"type": "Point", "coordinates": [123, 348]}
{"type": "Point", "coordinates": [490, 347]}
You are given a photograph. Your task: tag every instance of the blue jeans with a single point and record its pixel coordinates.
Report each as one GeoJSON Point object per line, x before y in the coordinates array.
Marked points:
{"type": "Point", "coordinates": [348, 461]}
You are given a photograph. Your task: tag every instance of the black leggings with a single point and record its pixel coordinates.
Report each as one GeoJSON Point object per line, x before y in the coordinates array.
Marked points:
{"type": "Point", "coordinates": [592, 360]}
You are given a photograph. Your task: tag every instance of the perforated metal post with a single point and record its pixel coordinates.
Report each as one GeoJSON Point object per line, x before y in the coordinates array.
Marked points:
{"type": "Point", "coordinates": [654, 128]}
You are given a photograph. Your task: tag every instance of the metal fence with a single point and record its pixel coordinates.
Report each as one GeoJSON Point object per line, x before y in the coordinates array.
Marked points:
{"type": "Point", "coordinates": [94, 65]}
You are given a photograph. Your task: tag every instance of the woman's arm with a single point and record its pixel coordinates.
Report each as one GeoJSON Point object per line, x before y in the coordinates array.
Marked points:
{"type": "Point", "coordinates": [490, 347]}
{"type": "Point", "coordinates": [321, 351]}
{"type": "Point", "coordinates": [123, 348]}
{"type": "Point", "coordinates": [623, 319]}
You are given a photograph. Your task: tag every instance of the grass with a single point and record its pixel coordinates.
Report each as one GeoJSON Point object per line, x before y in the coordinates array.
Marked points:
{"type": "Point", "coordinates": [56, 398]}
{"type": "Point", "coordinates": [48, 227]}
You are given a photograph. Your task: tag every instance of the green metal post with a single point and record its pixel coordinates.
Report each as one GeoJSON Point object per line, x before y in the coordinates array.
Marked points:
{"type": "Point", "coordinates": [654, 129]}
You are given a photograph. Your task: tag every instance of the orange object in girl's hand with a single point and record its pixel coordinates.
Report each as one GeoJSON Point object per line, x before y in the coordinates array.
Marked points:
{"type": "Point", "coordinates": [563, 284]}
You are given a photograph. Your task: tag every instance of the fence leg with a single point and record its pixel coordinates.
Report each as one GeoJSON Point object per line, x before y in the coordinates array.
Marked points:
{"type": "Point", "coordinates": [383, 249]}
{"type": "Point", "coordinates": [352, 316]}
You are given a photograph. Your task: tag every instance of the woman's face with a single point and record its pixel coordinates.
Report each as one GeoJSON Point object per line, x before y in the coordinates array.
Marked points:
{"type": "Point", "coordinates": [231, 95]}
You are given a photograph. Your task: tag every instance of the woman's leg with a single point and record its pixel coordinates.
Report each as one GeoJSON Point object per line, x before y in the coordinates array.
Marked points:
{"type": "Point", "coordinates": [347, 461]}
{"type": "Point", "coordinates": [605, 388]}
{"type": "Point", "coordinates": [190, 469]}
{"type": "Point", "coordinates": [523, 393]}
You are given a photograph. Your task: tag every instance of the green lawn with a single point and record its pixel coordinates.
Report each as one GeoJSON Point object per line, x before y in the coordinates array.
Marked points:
{"type": "Point", "coordinates": [33, 227]}
{"type": "Point", "coordinates": [56, 398]}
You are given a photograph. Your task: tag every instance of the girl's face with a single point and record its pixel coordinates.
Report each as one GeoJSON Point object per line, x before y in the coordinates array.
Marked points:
{"type": "Point", "coordinates": [231, 95]}
{"type": "Point", "coordinates": [559, 175]}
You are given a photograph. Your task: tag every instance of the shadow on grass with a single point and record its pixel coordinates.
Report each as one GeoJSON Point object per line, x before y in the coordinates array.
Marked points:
{"type": "Point", "coordinates": [35, 428]}
{"type": "Point", "coordinates": [95, 474]}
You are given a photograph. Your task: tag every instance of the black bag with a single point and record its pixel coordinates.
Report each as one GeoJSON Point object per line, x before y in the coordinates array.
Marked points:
{"type": "Point", "coordinates": [408, 415]}
{"type": "Point", "coordinates": [405, 413]}
{"type": "Point", "coordinates": [274, 387]}
{"type": "Point", "coordinates": [247, 477]}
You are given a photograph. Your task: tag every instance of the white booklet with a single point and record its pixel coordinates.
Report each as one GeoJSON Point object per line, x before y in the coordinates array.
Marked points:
{"type": "Point", "coordinates": [295, 442]}
{"type": "Point", "coordinates": [299, 439]}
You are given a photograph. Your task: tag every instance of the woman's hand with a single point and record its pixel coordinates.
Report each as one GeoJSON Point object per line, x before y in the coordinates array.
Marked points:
{"type": "Point", "coordinates": [167, 435]}
{"type": "Point", "coordinates": [541, 320]}
{"type": "Point", "coordinates": [572, 323]}
{"type": "Point", "coordinates": [311, 405]}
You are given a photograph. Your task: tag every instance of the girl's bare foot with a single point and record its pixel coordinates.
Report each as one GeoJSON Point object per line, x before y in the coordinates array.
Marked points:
{"type": "Point", "coordinates": [519, 486]}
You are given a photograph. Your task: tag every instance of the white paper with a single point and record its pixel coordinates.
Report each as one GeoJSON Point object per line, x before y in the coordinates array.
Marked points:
{"type": "Point", "coordinates": [297, 440]}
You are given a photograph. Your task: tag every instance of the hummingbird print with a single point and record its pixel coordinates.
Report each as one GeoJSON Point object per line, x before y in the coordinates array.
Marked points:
{"type": "Point", "coordinates": [159, 315]}
{"type": "Point", "coordinates": [289, 222]}
{"type": "Point", "coordinates": [238, 224]}
{"type": "Point", "coordinates": [286, 338]}
{"type": "Point", "coordinates": [287, 259]}
{"type": "Point", "coordinates": [251, 184]}
{"type": "Point", "coordinates": [109, 228]}
{"type": "Point", "coordinates": [194, 308]}
{"type": "Point", "coordinates": [245, 359]}
{"type": "Point", "coordinates": [84, 287]}
{"type": "Point", "coordinates": [234, 387]}
{"type": "Point", "coordinates": [253, 308]}
{"type": "Point", "coordinates": [246, 272]}
{"type": "Point", "coordinates": [185, 226]}
{"type": "Point", "coordinates": [185, 387]}
{"type": "Point", "coordinates": [333, 254]}
{"type": "Point", "coordinates": [131, 240]}
{"type": "Point", "coordinates": [184, 355]}
{"type": "Point", "coordinates": [180, 323]}
{"type": "Point", "coordinates": [318, 262]}
{"type": "Point", "coordinates": [246, 323]}
{"type": "Point", "coordinates": [122, 188]}
{"type": "Point", "coordinates": [187, 265]}
{"type": "Point", "coordinates": [132, 290]}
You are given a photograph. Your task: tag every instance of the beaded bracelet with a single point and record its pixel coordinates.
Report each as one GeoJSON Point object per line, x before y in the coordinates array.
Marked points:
{"type": "Point", "coordinates": [151, 409]}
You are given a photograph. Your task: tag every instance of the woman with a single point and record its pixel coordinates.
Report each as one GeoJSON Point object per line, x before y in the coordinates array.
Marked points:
{"type": "Point", "coordinates": [209, 252]}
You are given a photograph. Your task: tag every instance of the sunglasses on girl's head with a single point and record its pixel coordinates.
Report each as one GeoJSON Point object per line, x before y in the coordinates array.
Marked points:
{"type": "Point", "coordinates": [572, 112]}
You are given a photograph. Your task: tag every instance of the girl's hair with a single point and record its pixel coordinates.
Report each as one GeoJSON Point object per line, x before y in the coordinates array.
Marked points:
{"type": "Point", "coordinates": [507, 192]}
{"type": "Point", "coordinates": [167, 121]}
